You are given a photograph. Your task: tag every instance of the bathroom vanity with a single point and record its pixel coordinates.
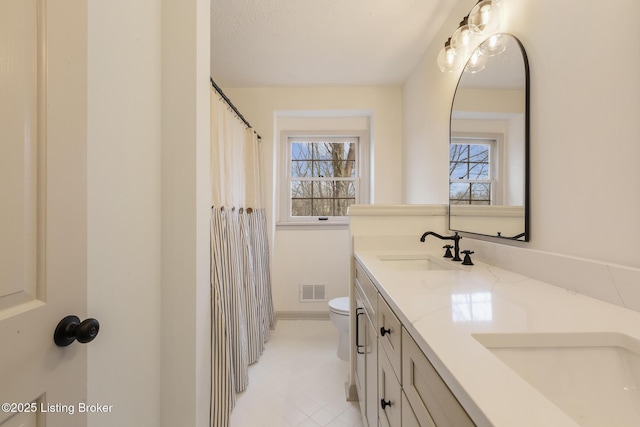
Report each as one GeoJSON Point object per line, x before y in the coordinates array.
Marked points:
{"type": "Point", "coordinates": [442, 344]}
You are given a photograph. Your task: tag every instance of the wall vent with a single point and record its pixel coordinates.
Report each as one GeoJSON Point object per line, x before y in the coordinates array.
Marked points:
{"type": "Point", "coordinates": [312, 293]}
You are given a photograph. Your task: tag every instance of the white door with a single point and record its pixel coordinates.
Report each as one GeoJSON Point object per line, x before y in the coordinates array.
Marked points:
{"type": "Point", "coordinates": [43, 236]}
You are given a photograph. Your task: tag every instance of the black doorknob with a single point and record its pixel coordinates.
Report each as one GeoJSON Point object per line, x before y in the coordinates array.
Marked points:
{"type": "Point", "coordinates": [70, 329]}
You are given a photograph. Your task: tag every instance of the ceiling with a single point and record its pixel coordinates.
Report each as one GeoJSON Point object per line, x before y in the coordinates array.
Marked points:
{"type": "Point", "coordinates": [258, 43]}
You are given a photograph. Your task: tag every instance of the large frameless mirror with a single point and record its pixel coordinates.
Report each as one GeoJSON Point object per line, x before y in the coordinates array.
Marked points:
{"type": "Point", "coordinates": [489, 142]}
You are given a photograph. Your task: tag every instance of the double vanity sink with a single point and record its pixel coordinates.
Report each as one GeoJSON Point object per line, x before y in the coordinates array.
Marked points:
{"type": "Point", "coordinates": [415, 262]}
{"type": "Point", "coordinates": [515, 351]}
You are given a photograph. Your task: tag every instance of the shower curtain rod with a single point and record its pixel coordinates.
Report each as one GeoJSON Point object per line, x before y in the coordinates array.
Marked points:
{"type": "Point", "coordinates": [233, 107]}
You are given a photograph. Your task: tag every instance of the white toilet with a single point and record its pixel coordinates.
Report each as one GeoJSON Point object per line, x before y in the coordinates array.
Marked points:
{"type": "Point", "coordinates": [339, 314]}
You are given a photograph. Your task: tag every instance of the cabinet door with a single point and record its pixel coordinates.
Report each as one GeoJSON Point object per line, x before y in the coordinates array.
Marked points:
{"type": "Point", "coordinates": [427, 393]}
{"type": "Point", "coordinates": [389, 392]}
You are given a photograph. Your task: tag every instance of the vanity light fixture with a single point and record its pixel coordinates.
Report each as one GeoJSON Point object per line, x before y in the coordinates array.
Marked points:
{"type": "Point", "coordinates": [483, 20]}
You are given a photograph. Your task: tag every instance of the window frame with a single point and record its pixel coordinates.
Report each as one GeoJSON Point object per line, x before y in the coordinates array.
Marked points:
{"type": "Point", "coordinates": [361, 178]}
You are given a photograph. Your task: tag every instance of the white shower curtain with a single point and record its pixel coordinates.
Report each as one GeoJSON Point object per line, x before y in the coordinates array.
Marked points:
{"type": "Point", "coordinates": [242, 308]}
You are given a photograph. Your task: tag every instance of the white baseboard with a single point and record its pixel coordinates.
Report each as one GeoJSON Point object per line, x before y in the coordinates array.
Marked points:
{"type": "Point", "coordinates": [302, 315]}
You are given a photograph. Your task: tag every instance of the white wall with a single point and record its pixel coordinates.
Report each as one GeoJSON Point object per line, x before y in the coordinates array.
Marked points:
{"type": "Point", "coordinates": [185, 368]}
{"type": "Point", "coordinates": [124, 210]}
{"type": "Point", "coordinates": [585, 104]}
{"type": "Point", "coordinates": [148, 211]}
{"type": "Point", "coordinates": [321, 255]}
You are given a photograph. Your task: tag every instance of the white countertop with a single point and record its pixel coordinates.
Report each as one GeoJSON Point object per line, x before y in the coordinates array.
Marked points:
{"type": "Point", "coordinates": [441, 309]}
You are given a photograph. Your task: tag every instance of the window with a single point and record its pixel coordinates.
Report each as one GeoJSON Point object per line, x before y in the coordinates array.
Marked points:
{"type": "Point", "coordinates": [323, 177]}
{"type": "Point", "coordinates": [472, 171]}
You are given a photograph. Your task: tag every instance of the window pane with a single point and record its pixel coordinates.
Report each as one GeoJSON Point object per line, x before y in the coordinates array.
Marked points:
{"type": "Point", "coordinates": [471, 193]}
{"type": "Point", "coordinates": [301, 151]}
{"type": "Point", "coordinates": [478, 171]}
{"type": "Point", "coordinates": [478, 153]}
{"type": "Point", "coordinates": [480, 192]}
{"type": "Point", "coordinates": [301, 189]}
{"type": "Point", "coordinates": [342, 205]}
{"type": "Point", "coordinates": [459, 171]}
{"type": "Point", "coordinates": [301, 207]}
{"type": "Point", "coordinates": [469, 161]}
{"type": "Point", "coordinates": [323, 189]}
{"type": "Point", "coordinates": [460, 191]}
{"type": "Point", "coordinates": [322, 150]}
{"type": "Point", "coordinates": [301, 168]}
{"type": "Point", "coordinates": [345, 189]}
{"type": "Point", "coordinates": [323, 169]}
{"type": "Point", "coordinates": [322, 207]}
{"type": "Point", "coordinates": [345, 168]}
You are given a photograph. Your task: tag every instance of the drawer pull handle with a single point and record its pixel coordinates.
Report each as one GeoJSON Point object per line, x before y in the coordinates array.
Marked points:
{"type": "Point", "coordinates": [385, 403]}
{"type": "Point", "coordinates": [384, 331]}
{"type": "Point", "coordinates": [358, 314]}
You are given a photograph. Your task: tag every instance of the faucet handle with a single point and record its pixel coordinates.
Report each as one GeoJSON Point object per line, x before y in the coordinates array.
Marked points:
{"type": "Point", "coordinates": [467, 257]}
{"type": "Point", "coordinates": [447, 253]}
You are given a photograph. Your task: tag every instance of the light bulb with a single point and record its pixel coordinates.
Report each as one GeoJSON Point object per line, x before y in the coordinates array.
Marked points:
{"type": "Point", "coordinates": [448, 59]}
{"type": "Point", "coordinates": [485, 17]}
{"type": "Point", "coordinates": [494, 45]}
{"type": "Point", "coordinates": [463, 38]}
{"type": "Point", "coordinates": [476, 63]}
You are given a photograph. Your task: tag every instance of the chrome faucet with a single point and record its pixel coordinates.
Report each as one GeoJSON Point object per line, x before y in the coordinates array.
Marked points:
{"type": "Point", "coordinates": [456, 242]}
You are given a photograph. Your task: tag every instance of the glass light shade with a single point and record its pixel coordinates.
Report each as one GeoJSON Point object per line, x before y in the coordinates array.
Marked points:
{"type": "Point", "coordinates": [476, 63]}
{"type": "Point", "coordinates": [485, 17]}
{"type": "Point", "coordinates": [463, 39]}
{"type": "Point", "coordinates": [494, 45]}
{"type": "Point", "coordinates": [448, 59]}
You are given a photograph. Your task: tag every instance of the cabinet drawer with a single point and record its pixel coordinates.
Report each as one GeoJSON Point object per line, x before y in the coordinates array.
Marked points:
{"type": "Point", "coordinates": [369, 291]}
{"type": "Point", "coordinates": [389, 392]}
{"type": "Point", "coordinates": [390, 335]}
{"type": "Point", "coordinates": [427, 393]}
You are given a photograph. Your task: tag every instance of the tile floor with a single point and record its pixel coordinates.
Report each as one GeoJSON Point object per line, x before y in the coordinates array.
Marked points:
{"type": "Point", "coordinates": [299, 381]}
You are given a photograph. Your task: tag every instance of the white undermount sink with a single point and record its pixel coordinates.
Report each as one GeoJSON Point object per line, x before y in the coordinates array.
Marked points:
{"type": "Point", "coordinates": [416, 262]}
{"type": "Point", "coordinates": [593, 377]}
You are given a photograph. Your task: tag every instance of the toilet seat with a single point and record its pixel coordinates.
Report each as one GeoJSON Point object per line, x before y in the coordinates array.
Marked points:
{"type": "Point", "coordinates": [339, 306]}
